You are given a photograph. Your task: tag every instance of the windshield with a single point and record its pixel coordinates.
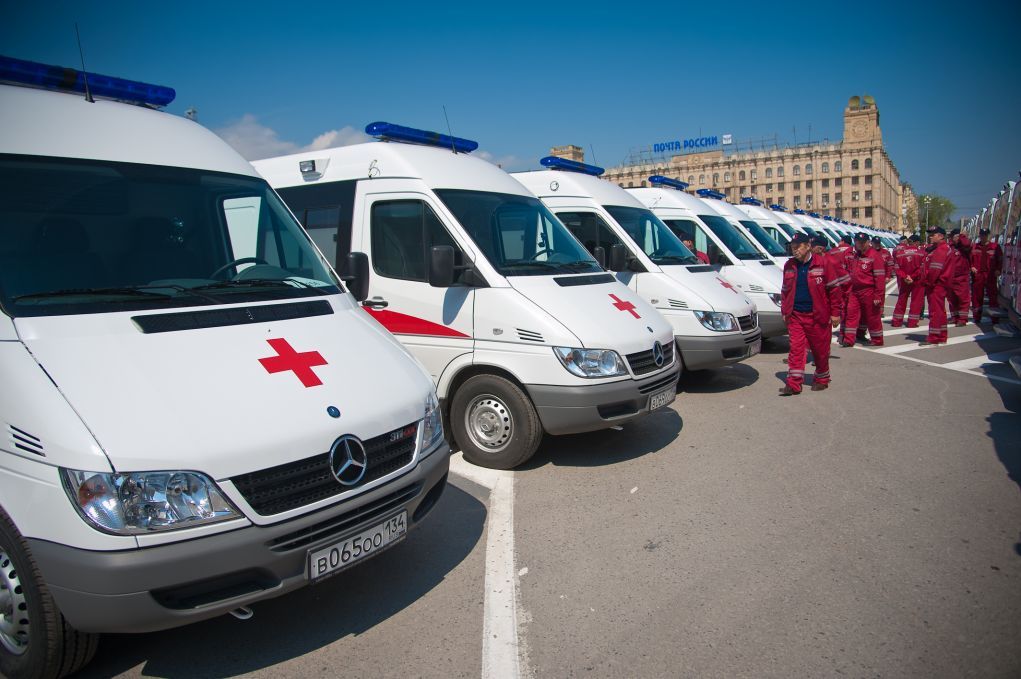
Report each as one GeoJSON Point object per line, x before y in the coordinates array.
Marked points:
{"type": "Point", "coordinates": [731, 237]}
{"type": "Point", "coordinates": [651, 235]}
{"type": "Point", "coordinates": [517, 234]}
{"type": "Point", "coordinates": [88, 236]}
{"type": "Point", "coordinates": [764, 239]}
{"type": "Point", "coordinates": [787, 228]}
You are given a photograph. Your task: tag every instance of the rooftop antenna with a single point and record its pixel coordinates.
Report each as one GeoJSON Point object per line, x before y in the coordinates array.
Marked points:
{"type": "Point", "coordinates": [593, 151]}
{"type": "Point", "coordinates": [450, 132]}
{"type": "Point", "coordinates": [85, 76]}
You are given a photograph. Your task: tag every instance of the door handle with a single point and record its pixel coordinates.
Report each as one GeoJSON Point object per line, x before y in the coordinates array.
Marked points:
{"type": "Point", "coordinates": [376, 303]}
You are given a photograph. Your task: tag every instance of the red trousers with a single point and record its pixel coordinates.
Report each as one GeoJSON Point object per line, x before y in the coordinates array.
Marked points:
{"type": "Point", "coordinates": [805, 333]}
{"type": "Point", "coordinates": [937, 299]}
{"type": "Point", "coordinates": [959, 299]}
{"type": "Point", "coordinates": [984, 284]}
{"type": "Point", "coordinates": [905, 291]}
{"type": "Point", "coordinates": [861, 311]}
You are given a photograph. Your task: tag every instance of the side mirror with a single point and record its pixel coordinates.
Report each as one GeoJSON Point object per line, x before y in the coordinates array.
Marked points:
{"type": "Point", "coordinates": [599, 252]}
{"type": "Point", "coordinates": [618, 257]}
{"type": "Point", "coordinates": [441, 266]}
{"type": "Point", "coordinates": [356, 275]}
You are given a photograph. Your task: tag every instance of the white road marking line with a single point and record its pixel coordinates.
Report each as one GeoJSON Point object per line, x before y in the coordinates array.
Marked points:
{"type": "Point", "coordinates": [501, 655]}
{"type": "Point", "coordinates": [923, 330]}
{"type": "Point", "coordinates": [911, 346]}
{"type": "Point", "coordinates": [997, 378]}
{"type": "Point", "coordinates": [980, 361]}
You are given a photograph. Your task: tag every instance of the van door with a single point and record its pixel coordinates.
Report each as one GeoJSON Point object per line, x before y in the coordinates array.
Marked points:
{"type": "Point", "coordinates": [436, 324]}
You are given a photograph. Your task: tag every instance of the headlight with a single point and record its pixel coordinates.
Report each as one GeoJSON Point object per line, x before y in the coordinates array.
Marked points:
{"type": "Point", "coordinates": [143, 502]}
{"type": "Point", "coordinates": [431, 430]}
{"type": "Point", "coordinates": [775, 297]}
{"type": "Point", "coordinates": [591, 362]}
{"type": "Point", "coordinates": [715, 320]}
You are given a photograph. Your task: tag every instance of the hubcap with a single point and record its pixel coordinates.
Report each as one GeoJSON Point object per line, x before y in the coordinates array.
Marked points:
{"type": "Point", "coordinates": [13, 608]}
{"type": "Point", "coordinates": [489, 423]}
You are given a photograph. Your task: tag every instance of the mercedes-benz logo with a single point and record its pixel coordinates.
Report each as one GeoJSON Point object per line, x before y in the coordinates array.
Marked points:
{"type": "Point", "coordinates": [348, 460]}
{"type": "Point", "coordinates": [657, 354]}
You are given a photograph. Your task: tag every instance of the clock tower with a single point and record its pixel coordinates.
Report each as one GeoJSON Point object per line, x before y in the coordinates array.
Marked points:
{"type": "Point", "coordinates": [861, 123]}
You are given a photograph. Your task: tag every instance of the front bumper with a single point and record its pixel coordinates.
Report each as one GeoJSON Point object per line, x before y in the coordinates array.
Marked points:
{"type": "Point", "coordinates": [771, 323]}
{"type": "Point", "coordinates": [701, 353]}
{"type": "Point", "coordinates": [573, 410]}
{"type": "Point", "coordinates": [155, 588]}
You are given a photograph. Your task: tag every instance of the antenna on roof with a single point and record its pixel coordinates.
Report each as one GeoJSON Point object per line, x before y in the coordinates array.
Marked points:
{"type": "Point", "coordinates": [450, 132]}
{"type": "Point", "coordinates": [593, 150]}
{"type": "Point", "coordinates": [85, 75]}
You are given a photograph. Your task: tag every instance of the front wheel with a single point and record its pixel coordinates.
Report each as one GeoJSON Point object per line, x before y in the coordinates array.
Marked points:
{"type": "Point", "coordinates": [35, 640]}
{"type": "Point", "coordinates": [494, 422]}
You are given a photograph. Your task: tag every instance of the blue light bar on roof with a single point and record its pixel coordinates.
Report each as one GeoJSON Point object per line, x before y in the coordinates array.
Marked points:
{"type": "Point", "coordinates": [778, 207]}
{"type": "Point", "coordinates": [557, 163]}
{"type": "Point", "coordinates": [60, 79]}
{"type": "Point", "coordinates": [660, 180]}
{"type": "Point", "coordinates": [828, 218]}
{"type": "Point", "coordinates": [750, 200]}
{"type": "Point", "coordinates": [799, 211]}
{"type": "Point", "coordinates": [389, 131]}
{"type": "Point", "coordinates": [709, 193]}
{"type": "Point", "coordinates": [814, 214]}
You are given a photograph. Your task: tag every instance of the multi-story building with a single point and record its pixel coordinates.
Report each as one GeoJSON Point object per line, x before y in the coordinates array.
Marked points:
{"type": "Point", "coordinates": [854, 179]}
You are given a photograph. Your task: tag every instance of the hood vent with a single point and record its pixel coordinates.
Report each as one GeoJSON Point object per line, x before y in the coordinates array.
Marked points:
{"type": "Point", "coordinates": [22, 440]}
{"type": "Point", "coordinates": [756, 288]}
{"type": "Point", "coordinates": [677, 304]}
{"type": "Point", "coordinates": [529, 336]}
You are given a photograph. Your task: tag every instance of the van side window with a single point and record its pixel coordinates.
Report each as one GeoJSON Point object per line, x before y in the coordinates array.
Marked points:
{"type": "Point", "coordinates": [402, 233]}
{"type": "Point", "coordinates": [321, 224]}
{"type": "Point", "coordinates": [590, 229]}
{"type": "Point", "coordinates": [702, 242]}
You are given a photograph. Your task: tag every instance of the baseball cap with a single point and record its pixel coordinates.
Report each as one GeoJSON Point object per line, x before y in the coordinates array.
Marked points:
{"type": "Point", "coordinates": [819, 240]}
{"type": "Point", "coordinates": [937, 229]}
{"type": "Point", "coordinates": [914, 238]}
{"type": "Point", "coordinates": [846, 239]}
{"type": "Point", "coordinates": [800, 238]}
{"type": "Point", "coordinates": [861, 235]}
{"type": "Point", "coordinates": [983, 232]}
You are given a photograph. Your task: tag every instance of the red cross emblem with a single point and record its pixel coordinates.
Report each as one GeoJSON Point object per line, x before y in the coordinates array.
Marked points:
{"type": "Point", "coordinates": [727, 284]}
{"type": "Point", "coordinates": [624, 306]}
{"type": "Point", "coordinates": [301, 363]}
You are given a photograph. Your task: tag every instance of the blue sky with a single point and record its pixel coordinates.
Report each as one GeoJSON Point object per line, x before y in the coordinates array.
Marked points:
{"type": "Point", "coordinates": [609, 77]}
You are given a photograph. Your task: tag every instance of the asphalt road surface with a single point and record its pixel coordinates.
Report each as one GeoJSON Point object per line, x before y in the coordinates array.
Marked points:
{"type": "Point", "coordinates": [873, 529]}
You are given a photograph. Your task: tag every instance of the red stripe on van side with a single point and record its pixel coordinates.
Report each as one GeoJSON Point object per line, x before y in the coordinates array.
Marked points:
{"type": "Point", "coordinates": [403, 324]}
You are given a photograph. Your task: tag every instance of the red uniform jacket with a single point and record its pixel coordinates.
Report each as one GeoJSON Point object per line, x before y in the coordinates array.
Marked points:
{"type": "Point", "coordinates": [908, 261]}
{"type": "Point", "coordinates": [702, 257]}
{"type": "Point", "coordinates": [937, 268]}
{"type": "Point", "coordinates": [962, 263]}
{"type": "Point", "coordinates": [842, 255]}
{"type": "Point", "coordinates": [867, 271]}
{"type": "Point", "coordinates": [987, 258]}
{"type": "Point", "coordinates": [824, 284]}
{"type": "Point", "coordinates": [887, 261]}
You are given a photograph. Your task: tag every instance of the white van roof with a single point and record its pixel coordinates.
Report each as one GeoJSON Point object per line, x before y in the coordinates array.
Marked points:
{"type": "Point", "coordinates": [55, 124]}
{"type": "Point", "coordinates": [439, 168]}
{"type": "Point", "coordinates": [576, 184]}
{"type": "Point", "coordinates": [672, 198]}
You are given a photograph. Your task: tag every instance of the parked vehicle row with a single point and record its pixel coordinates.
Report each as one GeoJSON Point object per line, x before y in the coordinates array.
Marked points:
{"type": "Point", "coordinates": [1002, 217]}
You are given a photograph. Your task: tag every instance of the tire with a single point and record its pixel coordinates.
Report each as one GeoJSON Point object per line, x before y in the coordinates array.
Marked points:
{"type": "Point", "coordinates": [494, 422]}
{"type": "Point", "coordinates": [35, 640]}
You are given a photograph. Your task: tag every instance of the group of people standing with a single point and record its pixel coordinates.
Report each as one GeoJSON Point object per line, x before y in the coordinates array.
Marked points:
{"type": "Point", "coordinates": [846, 286]}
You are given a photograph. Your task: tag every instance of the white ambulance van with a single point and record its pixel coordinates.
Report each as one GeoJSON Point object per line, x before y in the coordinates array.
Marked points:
{"type": "Point", "coordinates": [521, 328]}
{"type": "Point", "coordinates": [767, 221]}
{"type": "Point", "coordinates": [742, 264]}
{"type": "Point", "coordinates": [753, 231]}
{"type": "Point", "coordinates": [714, 323]}
{"type": "Point", "coordinates": [197, 415]}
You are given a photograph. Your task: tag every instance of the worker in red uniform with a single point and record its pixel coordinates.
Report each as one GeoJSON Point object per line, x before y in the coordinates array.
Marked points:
{"type": "Point", "coordinates": [819, 245]}
{"type": "Point", "coordinates": [986, 266]}
{"type": "Point", "coordinates": [868, 290]}
{"type": "Point", "coordinates": [878, 246]}
{"type": "Point", "coordinates": [959, 293]}
{"type": "Point", "coordinates": [937, 274]}
{"type": "Point", "coordinates": [842, 254]}
{"type": "Point", "coordinates": [907, 259]}
{"type": "Point", "coordinates": [810, 302]}
{"type": "Point", "coordinates": [689, 242]}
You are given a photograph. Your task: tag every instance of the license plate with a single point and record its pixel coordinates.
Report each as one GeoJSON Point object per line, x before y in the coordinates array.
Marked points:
{"type": "Point", "coordinates": [755, 347]}
{"type": "Point", "coordinates": [662, 398]}
{"type": "Point", "coordinates": [340, 555]}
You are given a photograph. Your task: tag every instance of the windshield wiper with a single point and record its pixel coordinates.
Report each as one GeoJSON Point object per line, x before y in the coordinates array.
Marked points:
{"type": "Point", "coordinates": [139, 291]}
{"type": "Point", "coordinates": [256, 283]}
{"type": "Point", "coordinates": [535, 264]}
{"type": "Point", "coordinates": [580, 264]}
{"type": "Point", "coordinates": [677, 258]}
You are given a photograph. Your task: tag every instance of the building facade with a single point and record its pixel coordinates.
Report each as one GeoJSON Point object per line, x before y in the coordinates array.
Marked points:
{"type": "Point", "coordinates": [854, 179]}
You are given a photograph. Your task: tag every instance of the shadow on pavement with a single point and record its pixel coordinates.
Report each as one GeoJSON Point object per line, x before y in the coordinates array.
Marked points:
{"type": "Point", "coordinates": [719, 380]}
{"type": "Point", "coordinates": [650, 434]}
{"type": "Point", "coordinates": [310, 618]}
{"type": "Point", "coordinates": [776, 345]}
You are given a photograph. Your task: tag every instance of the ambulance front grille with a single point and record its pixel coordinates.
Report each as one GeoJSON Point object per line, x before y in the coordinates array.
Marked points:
{"type": "Point", "coordinates": [677, 304]}
{"type": "Point", "coordinates": [643, 362]}
{"type": "Point", "coordinates": [302, 482]}
{"type": "Point", "coordinates": [756, 288]}
{"type": "Point", "coordinates": [529, 336]}
{"type": "Point", "coordinates": [22, 440]}
{"type": "Point", "coordinates": [746, 322]}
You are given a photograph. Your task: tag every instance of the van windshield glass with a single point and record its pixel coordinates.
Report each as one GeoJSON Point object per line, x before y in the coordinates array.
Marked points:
{"type": "Point", "coordinates": [733, 239]}
{"type": "Point", "coordinates": [653, 236]}
{"type": "Point", "coordinates": [787, 229]}
{"type": "Point", "coordinates": [517, 234]}
{"type": "Point", "coordinates": [87, 236]}
{"type": "Point", "coordinates": [764, 239]}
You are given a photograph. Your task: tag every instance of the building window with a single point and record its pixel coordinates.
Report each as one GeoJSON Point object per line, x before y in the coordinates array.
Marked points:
{"type": "Point", "coordinates": [727, 191]}
{"type": "Point", "coordinates": [854, 213]}
{"type": "Point", "coordinates": [741, 176]}
{"type": "Point", "coordinates": [797, 201]}
{"type": "Point", "coordinates": [838, 197]}
{"type": "Point", "coordinates": [839, 181]}
{"type": "Point", "coordinates": [868, 166]}
{"type": "Point", "coordinates": [825, 199]}
{"type": "Point", "coordinates": [854, 196]}
{"type": "Point", "coordinates": [808, 201]}
{"type": "Point", "coordinates": [691, 179]}
{"type": "Point", "coordinates": [837, 167]}
{"type": "Point", "coordinates": [701, 179]}
{"type": "Point", "coordinates": [854, 164]}
{"type": "Point", "coordinates": [753, 189]}
{"type": "Point", "coordinates": [726, 176]}
{"type": "Point", "coordinates": [744, 191]}
{"type": "Point", "coordinates": [779, 172]}
{"type": "Point", "coordinates": [797, 170]}
{"type": "Point", "coordinates": [838, 213]}
{"type": "Point", "coordinates": [854, 181]}
{"type": "Point", "coordinates": [643, 183]}
{"type": "Point", "coordinates": [868, 196]}
{"type": "Point", "coordinates": [797, 185]}
{"type": "Point", "coordinates": [808, 168]}
{"type": "Point", "coordinates": [825, 183]}
{"type": "Point", "coordinates": [779, 186]}
{"type": "Point", "coordinates": [755, 175]}
{"type": "Point", "coordinates": [808, 183]}
{"type": "Point", "coordinates": [716, 178]}
{"type": "Point", "coordinates": [868, 179]}
{"type": "Point", "coordinates": [769, 173]}
{"type": "Point", "coordinates": [769, 188]}
{"type": "Point", "coordinates": [825, 168]}
{"type": "Point", "coordinates": [868, 212]}
{"type": "Point", "coordinates": [631, 185]}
